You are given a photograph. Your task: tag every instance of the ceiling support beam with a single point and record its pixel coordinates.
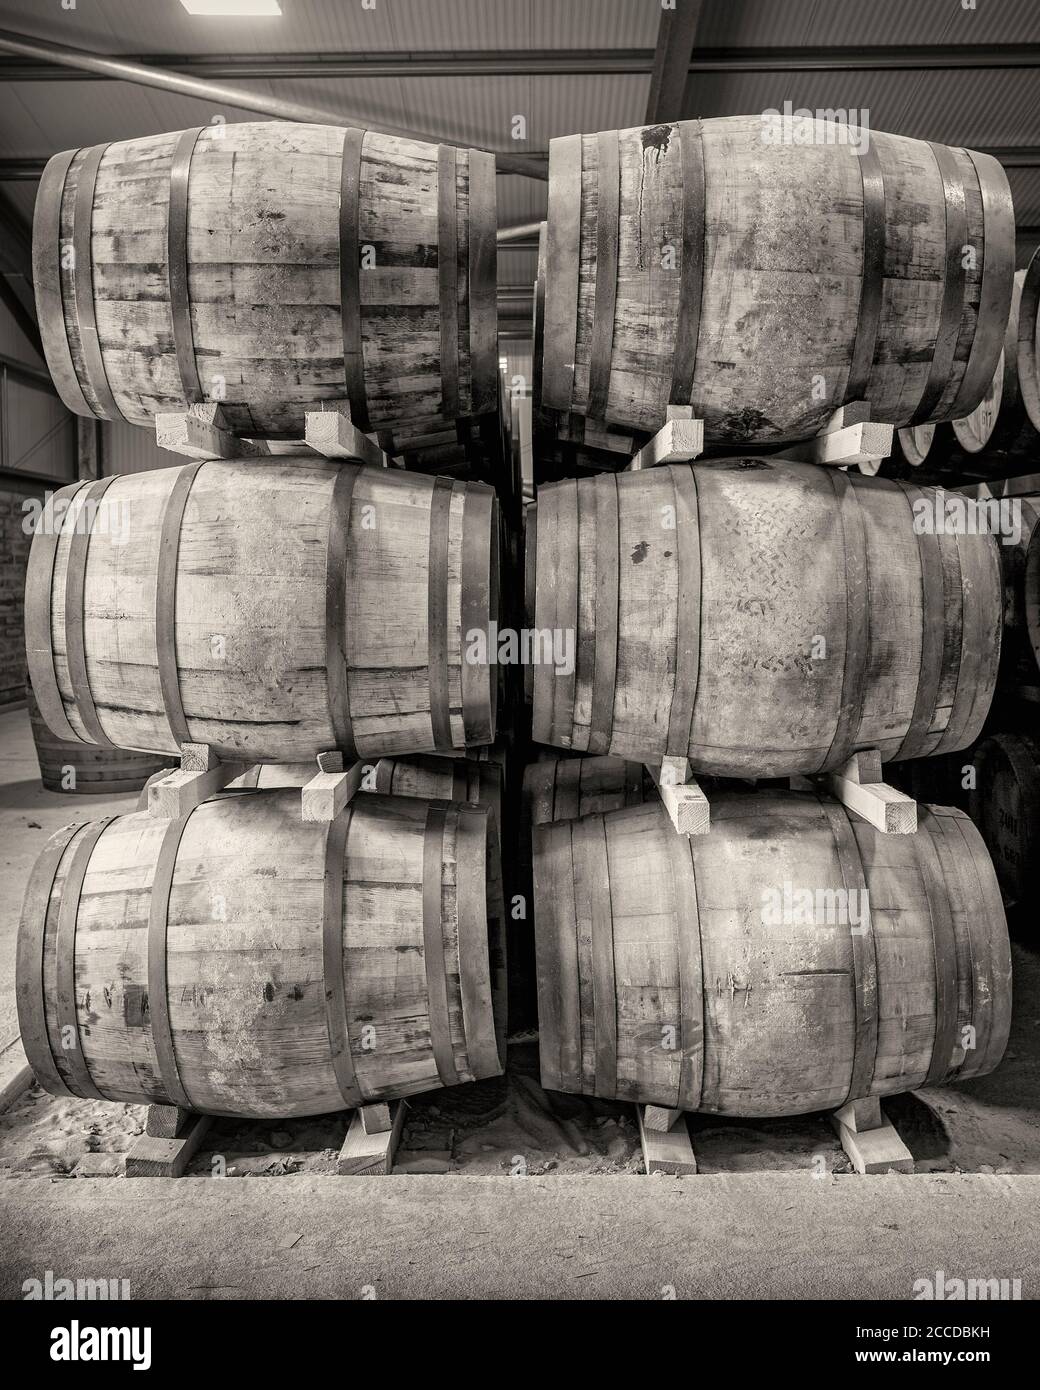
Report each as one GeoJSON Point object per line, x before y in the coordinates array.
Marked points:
{"type": "Point", "coordinates": [122, 70]}
{"type": "Point", "coordinates": [553, 62]}
{"type": "Point", "coordinates": [676, 37]}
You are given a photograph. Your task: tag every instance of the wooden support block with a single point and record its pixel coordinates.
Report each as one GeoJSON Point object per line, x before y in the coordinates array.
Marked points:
{"type": "Point", "coordinates": [864, 766]}
{"type": "Point", "coordinates": [376, 1119]}
{"type": "Point", "coordinates": [860, 1115]}
{"type": "Point", "coordinates": [325, 795]}
{"type": "Point", "coordinates": [365, 1154]}
{"type": "Point", "coordinates": [166, 1158]}
{"type": "Point", "coordinates": [863, 445]}
{"type": "Point", "coordinates": [202, 432]}
{"type": "Point", "coordinates": [660, 1119]}
{"type": "Point", "coordinates": [852, 413]}
{"type": "Point", "coordinates": [180, 792]}
{"type": "Point", "coordinates": [166, 1121]}
{"type": "Point", "coordinates": [332, 433]}
{"type": "Point", "coordinates": [665, 1152]}
{"type": "Point", "coordinates": [680, 439]}
{"type": "Point", "coordinates": [858, 787]}
{"type": "Point", "coordinates": [198, 757]}
{"type": "Point", "coordinates": [331, 761]}
{"type": "Point", "coordinates": [872, 1148]}
{"type": "Point", "coordinates": [687, 806]}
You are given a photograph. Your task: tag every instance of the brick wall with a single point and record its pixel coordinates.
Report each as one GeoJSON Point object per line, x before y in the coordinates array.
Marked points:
{"type": "Point", "coordinates": [14, 555]}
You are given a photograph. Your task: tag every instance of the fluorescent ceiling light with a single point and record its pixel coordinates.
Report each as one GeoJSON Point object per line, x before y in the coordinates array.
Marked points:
{"type": "Point", "coordinates": [232, 7]}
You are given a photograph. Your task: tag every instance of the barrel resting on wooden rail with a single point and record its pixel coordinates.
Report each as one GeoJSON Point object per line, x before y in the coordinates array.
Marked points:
{"type": "Point", "coordinates": [271, 609]}
{"type": "Point", "coordinates": [373, 280]}
{"type": "Point", "coordinates": [632, 323]}
{"type": "Point", "coordinates": [865, 965]}
{"type": "Point", "coordinates": [760, 618]}
{"type": "Point", "coordinates": [265, 966]}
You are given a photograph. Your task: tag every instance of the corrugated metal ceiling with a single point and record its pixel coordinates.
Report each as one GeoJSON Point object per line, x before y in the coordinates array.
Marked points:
{"type": "Point", "coordinates": [316, 26]}
{"type": "Point", "coordinates": [790, 23]}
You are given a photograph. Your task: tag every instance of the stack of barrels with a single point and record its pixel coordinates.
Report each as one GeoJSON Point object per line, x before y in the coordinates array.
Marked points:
{"type": "Point", "coordinates": [754, 617]}
{"type": "Point", "coordinates": [758, 618]}
{"type": "Point", "coordinates": [240, 960]}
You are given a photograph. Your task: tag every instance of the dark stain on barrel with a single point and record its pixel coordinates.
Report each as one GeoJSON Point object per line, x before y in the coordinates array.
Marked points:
{"type": "Point", "coordinates": [269, 992]}
{"type": "Point", "coordinates": [640, 553]}
{"type": "Point", "coordinates": [745, 424]}
{"type": "Point", "coordinates": [656, 138]}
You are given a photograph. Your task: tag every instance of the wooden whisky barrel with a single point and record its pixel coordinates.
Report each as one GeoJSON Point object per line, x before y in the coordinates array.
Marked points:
{"type": "Point", "coordinates": [568, 788]}
{"type": "Point", "coordinates": [270, 266]}
{"type": "Point", "coordinates": [271, 608]}
{"type": "Point", "coordinates": [241, 961]}
{"type": "Point", "coordinates": [769, 283]}
{"type": "Point", "coordinates": [1000, 417]}
{"type": "Point", "coordinates": [913, 444]}
{"type": "Point", "coordinates": [1005, 805]}
{"type": "Point", "coordinates": [1029, 340]}
{"type": "Point", "coordinates": [762, 618]}
{"type": "Point", "coordinates": [459, 780]}
{"type": "Point", "coordinates": [724, 973]}
{"type": "Point", "coordinates": [82, 769]}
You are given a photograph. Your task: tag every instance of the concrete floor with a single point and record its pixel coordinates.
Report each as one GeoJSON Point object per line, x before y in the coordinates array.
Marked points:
{"type": "Point", "coordinates": [778, 1234]}
{"type": "Point", "coordinates": [726, 1236]}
